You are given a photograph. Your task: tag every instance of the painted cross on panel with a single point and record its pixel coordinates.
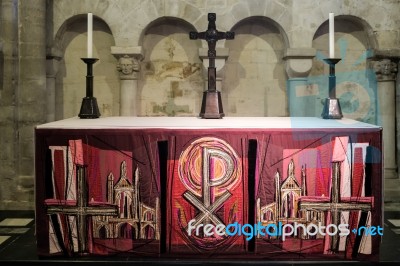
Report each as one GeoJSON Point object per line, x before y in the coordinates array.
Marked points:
{"type": "Point", "coordinates": [82, 210]}
{"type": "Point", "coordinates": [336, 204]}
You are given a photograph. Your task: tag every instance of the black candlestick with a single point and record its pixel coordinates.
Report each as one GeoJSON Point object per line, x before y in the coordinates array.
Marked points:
{"type": "Point", "coordinates": [332, 108]}
{"type": "Point", "coordinates": [89, 108]}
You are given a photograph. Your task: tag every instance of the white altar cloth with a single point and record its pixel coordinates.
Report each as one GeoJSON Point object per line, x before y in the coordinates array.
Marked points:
{"type": "Point", "coordinates": [199, 123]}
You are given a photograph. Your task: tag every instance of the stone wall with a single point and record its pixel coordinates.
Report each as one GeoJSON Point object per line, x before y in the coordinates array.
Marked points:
{"type": "Point", "coordinates": [274, 67]}
{"type": "Point", "coordinates": [9, 75]}
{"type": "Point", "coordinates": [265, 31]}
{"type": "Point", "coordinates": [21, 103]}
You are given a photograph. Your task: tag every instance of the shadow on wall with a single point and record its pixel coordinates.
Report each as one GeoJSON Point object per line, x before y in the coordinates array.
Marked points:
{"type": "Point", "coordinates": [254, 82]}
{"type": "Point", "coordinates": [71, 81]}
{"type": "Point", "coordinates": [171, 81]}
{"type": "Point", "coordinates": [355, 80]}
{"type": "Point", "coordinates": [1, 68]}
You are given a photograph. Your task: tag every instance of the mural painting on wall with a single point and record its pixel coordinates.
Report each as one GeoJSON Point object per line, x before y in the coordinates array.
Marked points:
{"type": "Point", "coordinates": [171, 73]}
{"type": "Point", "coordinates": [175, 69]}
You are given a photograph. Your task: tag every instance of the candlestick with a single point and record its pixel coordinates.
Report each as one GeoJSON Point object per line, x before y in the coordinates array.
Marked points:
{"type": "Point", "coordinates": [331, 35]}
{"type": "Point", "coordinates": [89, 108]}
{"type": "Point", "coordinates": [90, 36]}
{"type": "Point", "coordinates": [332, 109]}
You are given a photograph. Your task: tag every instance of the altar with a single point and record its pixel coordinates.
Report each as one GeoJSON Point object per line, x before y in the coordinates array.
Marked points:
{"type": "Point", "coordinates": [271, 188]}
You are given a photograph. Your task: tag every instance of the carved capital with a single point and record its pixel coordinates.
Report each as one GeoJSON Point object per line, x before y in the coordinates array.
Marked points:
{"type": "Point", "coordinates": [129, 59]}
{"type": "Point", "coordinates": [385, 69]}
{"type": "Point", "coordinates": [128, 67]}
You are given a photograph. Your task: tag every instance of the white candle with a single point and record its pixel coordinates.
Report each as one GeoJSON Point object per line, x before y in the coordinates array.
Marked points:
{"type": "Point", "coordinates": [331, 35]}
{"type": "Point", "coordinates": [90, 36]}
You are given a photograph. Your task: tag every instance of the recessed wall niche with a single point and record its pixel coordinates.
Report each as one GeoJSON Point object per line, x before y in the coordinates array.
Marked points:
{"type": "Point", "coordinates": [172, 79]}
{"type": "Point", "coordinates": [71, 77]}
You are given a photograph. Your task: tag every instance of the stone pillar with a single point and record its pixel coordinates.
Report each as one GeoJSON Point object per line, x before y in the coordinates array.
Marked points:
{"type": "Point", "coordinates": [1, 66]}
{"type": "Point", "coordinates": [398, 118]}
{"type": "Point", "coordinates": [386, 71]}
{"type": "Point", "coordinates": [31, 91]}
{"type": "Point", "coordinates": [128, 66]}
{"type": "Point", "coordinates": [222, 56]}
{"type": "Point", "coordinates": [8, 78]}
{"type": "Point", "coordinates": [52, 62]}
{"type": "Point", "coordinates": [301, 95]}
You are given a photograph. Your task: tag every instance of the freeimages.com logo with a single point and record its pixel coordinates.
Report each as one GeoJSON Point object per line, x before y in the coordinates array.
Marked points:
{"type": "Point", "coordinates": [278, 230]}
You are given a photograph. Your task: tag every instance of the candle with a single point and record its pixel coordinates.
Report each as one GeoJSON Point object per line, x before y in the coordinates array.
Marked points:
{"type": "Point", "coordinates": [331, 36]}
{"type": "Point", "coordinates": [90, 36]}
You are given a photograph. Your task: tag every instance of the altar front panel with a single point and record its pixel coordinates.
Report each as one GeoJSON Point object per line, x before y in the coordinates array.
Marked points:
{"type": "Point", "coordinates": [162, 192]}
{"type": "Point", "coordinates": [207, 185]}
{"type": "Point", "coordinates": [295, 191]}
{"type": "Point", "coordinates": [120, 174]}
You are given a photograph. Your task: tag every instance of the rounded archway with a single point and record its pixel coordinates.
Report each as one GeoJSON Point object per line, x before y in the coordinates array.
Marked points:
{"type": "Point", "coordinates": [70, 85]}
{"type": "Point", "coordinates": [254, 82]}
{"type": "Point", "coordinates": [355, 80]}
{"type": "Point", "coordinates": [172, 73]}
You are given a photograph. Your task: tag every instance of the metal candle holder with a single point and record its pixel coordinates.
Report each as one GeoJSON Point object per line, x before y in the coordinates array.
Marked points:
{"type": "Point", "coordinates": [332, 108]}
{"type": "Point", "coordinates": [89, 108]}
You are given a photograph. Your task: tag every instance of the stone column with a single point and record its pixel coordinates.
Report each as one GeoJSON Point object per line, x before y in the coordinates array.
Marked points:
{"type": "Point", "coordinates": [398, 118]}
{"type": "Point", "coordinates": [8, 123]}
{"type": "Point", "coordinates": [301, 95]}
{"type": "Point", "coordinates": [52, 62]}
{"type": "Point", "coordinates": [128, 66]}
{"type": "Point", "coordinates": [222, 56]}
{"type": "Point", "coordinates": [1, 66]}
{"type": "Point", "coordinates": [386, 71]}
{"type": "Point", "coordinates": [31, 91]}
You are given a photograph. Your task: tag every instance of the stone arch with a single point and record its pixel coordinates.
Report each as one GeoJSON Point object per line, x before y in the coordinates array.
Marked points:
{"type": "Point", "coordinates": [355, 80]}
{"type": "Point", "coordinates": [256, 63]}
{"type": "Point", "coordinates": [275, 11]}
{"type": "Point", "coordinates": [70, 22]}
{"type": "Point", "coordinates": [172, 73]}
{"type": "Point", "coordinates": [164, 20]}
{"type": "Point", "coordinates": [350, 24]}
{"type": "Point", "coordinates": [70, 83]}
{"type": "Point", "coordinates": [152, 13]}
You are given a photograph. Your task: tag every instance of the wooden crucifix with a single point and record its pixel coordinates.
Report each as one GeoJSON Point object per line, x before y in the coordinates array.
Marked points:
{"type": "Point", "coordinates": [211, 106]}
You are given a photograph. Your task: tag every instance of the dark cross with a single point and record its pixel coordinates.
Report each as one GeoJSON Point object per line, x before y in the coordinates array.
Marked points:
{"type": "Point", "coordinates": [336, 204]}
{"type": "Point", "coordinates": [82, 209]}
{"type": "Point", "coordinates": [212, 104]}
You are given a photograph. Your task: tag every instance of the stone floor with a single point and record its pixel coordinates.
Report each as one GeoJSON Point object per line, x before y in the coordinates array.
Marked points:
{"type": "Point", "coordinates": [17, 239]}
{"type": "Point", "coordinates": [392, 193]}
